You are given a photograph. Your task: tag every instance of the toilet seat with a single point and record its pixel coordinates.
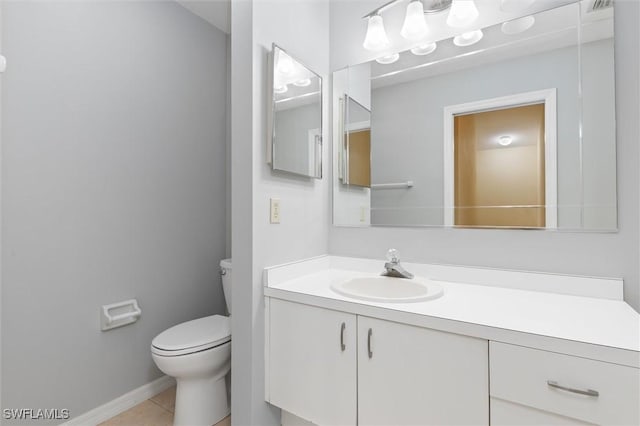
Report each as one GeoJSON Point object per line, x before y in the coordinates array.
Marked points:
{"type": "Point", "coordinates": [193, 336]}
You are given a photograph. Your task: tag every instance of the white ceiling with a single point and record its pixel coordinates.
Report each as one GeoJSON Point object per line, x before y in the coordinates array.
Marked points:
{"type": "Point", "coordinates": [216, 12]}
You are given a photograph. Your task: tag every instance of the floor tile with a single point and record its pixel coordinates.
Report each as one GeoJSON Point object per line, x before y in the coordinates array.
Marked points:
{"type": "Point", "coordinates": [166, 399]}
{"type": "Point", "coordinates": [224, 422]}
{"type": "Point", "coordinates": [144, 414]}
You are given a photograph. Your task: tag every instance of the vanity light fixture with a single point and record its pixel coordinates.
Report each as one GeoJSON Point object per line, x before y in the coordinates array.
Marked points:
{"type": "Point", "coordinates": [388, 59]}
{"type": "Point", "coordinates": [414, 27]}
{"type": "Point", "coordinates": [510, 6]}
{"type": "Point", "coordinates": [303, 82]}
{"type": "Point", "coordinates": [462, 13]}
{"type": "Point", "coordinates": [468, 38]}
{"type": "Point", "coordinates": [376, 38]}
{"type": "Point", "coordinates": [505, 140]}
{"type": "Point", "coordinates": [280, 89]}
{"type": "Point", "coordinates": [424, 49]}
{"type": "Point", "coordinates": [518, 26]}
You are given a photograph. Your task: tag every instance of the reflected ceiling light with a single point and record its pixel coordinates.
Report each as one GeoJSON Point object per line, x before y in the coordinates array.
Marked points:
{"type": "Point", "coordinates": [303, 83]}
{"type": "Point", "coordinates": [462, 13]}
{"type": "Point", "coordinates": [468, 38]}
{"type": "Point", "coordinates": [280, 89]}
{"type": "Point", "coordinates": [285, 64]}
{"type": "Point", "coordinates": [505, 140]}
{"type": "Point", "coordinates": [414, 27]}
{"type": "Point", "coordinates": [424, 49]}
{"type": "Point", "coordinates": [388, 59]}
{"type": "Point", "coordinates": [376, 38]}
{"type": "Point", "coordinates": [515, 5]}
{"type": "Point", "coordinates": [518, 25]}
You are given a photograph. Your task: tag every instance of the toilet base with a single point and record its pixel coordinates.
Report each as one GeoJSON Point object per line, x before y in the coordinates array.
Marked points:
{"type": "Point", "coordinates": [201, 402]}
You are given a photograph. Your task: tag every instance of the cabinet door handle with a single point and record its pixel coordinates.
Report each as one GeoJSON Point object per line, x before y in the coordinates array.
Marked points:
{"type": "Point", "coordinates": [369, 334]}
{"type": "Point", "coordinates": [587, 392]}
{"type": "Point", "coordinates": [342, 345]}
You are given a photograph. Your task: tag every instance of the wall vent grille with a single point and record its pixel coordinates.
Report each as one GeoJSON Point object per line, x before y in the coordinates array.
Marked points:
{"type": "Point", "coordinates": [597, 5]}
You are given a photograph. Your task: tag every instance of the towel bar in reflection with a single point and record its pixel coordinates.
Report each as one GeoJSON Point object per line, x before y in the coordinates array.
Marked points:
{"type": "Point", "coordinates": [398, 185]}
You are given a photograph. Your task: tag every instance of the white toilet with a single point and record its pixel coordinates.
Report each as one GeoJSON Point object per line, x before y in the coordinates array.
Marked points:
{"type": "Point", "coordinates": [198, 354]}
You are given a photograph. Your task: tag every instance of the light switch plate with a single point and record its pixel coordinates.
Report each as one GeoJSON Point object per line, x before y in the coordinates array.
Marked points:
{"type": "Point", "coordinates": [275, 210]}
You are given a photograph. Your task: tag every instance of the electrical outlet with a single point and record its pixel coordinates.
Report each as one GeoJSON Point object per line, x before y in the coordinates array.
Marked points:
{"type": "Point", "coordinates": [275, 210]}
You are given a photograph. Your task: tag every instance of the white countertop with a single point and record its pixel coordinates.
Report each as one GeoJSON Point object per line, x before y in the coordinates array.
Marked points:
{"type": "Point", "coordinates": [485, 311]}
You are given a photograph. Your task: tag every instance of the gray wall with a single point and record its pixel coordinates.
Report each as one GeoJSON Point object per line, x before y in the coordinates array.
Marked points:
{"type": "Point", "coordinates": [302, 29]}
{"type": "Point", "coordinates": [407, 125]}
{"type": "Point", "coordinates": [113, 187]}
{"type": "Point", "coordinates": [601, 254]}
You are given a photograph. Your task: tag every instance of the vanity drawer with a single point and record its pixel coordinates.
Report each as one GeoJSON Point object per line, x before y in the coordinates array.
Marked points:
{"type": "Point", "coordinates": [535, 378]}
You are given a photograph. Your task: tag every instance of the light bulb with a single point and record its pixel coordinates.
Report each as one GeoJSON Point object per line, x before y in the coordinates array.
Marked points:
{"type": "Point", "coordinates": [285, 64]}
{"type": "Point", "coordinates": [462, 13]}
{"type": "Point", "coordinates": [303, 83]}
{"type": "Point", "coordinates": [505, 140]}
{"type": "Point", "coordinates": [414, 27]}
{"type": "Point", "coordinates": [280, 89]}
{"type": "Point", "coordinates": [376, 38]}
{"type": "Point", "coordinates": [388, 59]}
{"type": "Point", "coordinates": [468, 38]}
{"type": "Point", "coordinates": [518, 25]}
{"type": "Point", "coordinates": [424, 49]}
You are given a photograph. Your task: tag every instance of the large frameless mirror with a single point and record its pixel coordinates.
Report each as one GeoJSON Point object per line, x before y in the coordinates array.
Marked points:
{"type": "Point", "coordinates": [295, 122]}
{"type": "Point", "coordinates": [508, 125]}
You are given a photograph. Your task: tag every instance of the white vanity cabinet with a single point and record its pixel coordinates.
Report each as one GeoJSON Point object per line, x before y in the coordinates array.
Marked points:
{"type": "Point", "coordinates": [531, 386]}
{"type": "Point", "coordinates": [416, 376]}
{"type": "Point", "coordinates": [398, 375]}
{"type": "Point", "coordinates": [311, 362]}
{"type": "Point", "coordinates": [500, 354]}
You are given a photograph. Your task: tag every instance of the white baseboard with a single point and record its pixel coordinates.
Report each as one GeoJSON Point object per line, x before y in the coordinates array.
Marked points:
{"type": "Point", "coordinates": [122, 403]}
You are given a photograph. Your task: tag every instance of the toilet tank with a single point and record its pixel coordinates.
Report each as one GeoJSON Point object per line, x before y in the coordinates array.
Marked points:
{"type": "Point", "coordinates": [225, 272]}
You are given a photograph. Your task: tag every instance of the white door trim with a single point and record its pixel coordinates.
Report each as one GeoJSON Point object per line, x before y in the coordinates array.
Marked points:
{"type": "Point", "coordinates": [548, 96]}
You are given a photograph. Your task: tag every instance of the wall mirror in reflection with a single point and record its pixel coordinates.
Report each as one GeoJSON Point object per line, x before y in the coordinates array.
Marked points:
{"type": "Point", "coordinates": [295, 119]}
{"type": "Point", "coordinates": [514, 127]}
{"type": "Point", "coordinates": [355, 152]}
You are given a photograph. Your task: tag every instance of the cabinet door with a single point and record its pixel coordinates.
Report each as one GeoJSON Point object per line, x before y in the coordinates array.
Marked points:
{"type": "Point", "coordinates": [312, 362]}
{"type": "Point", "coordinates": [505, 413]}
{"type": "Point", "coordinates": [414, 376]}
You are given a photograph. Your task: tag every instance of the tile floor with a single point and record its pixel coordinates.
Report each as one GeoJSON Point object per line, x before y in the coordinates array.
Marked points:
{"type": "Point", "coordinates": [156, 411]}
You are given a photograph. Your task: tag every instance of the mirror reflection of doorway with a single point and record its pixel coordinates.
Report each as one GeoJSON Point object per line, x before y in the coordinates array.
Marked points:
{"type": "Point", "coordinates": [499, 167]}
{"type": "Point", "coordinates": [360, 157]}
{"type": "Point", "coordinates": [356, 144]}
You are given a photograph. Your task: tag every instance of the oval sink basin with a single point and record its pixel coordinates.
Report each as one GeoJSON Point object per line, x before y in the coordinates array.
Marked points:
{"type": "Point", "coordinates": [388, 290]}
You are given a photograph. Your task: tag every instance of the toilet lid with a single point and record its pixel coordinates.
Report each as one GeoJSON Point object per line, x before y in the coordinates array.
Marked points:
{"type": "Point", "coordinates": [207, 331]}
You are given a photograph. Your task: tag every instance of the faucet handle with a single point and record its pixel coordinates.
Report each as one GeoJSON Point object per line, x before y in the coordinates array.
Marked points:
{"type": "Point", "coordinates": [393, 256]}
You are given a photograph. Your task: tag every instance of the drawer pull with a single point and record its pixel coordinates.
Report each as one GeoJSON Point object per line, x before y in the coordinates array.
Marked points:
{"type": "Point", "coordinates": [369, 334]}
{"type": "Point", "coordinates": [588, 392]}
{"type": "Point", "coordinates": [342, 345]}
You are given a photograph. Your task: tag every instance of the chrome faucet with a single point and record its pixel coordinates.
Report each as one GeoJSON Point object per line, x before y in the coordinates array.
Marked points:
{"type": "Point", "coordinates": [393, 268]}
